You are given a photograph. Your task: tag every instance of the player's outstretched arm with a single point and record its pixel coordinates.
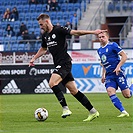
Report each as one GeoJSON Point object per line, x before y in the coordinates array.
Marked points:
{"type": "Point", "coordinates": [40, 52]}
{"type": "Point", "coordinates": [85, 32]}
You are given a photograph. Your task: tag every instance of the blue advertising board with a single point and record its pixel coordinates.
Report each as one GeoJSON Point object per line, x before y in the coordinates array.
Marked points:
{"type": "Point", "coordinates": [94, 70]}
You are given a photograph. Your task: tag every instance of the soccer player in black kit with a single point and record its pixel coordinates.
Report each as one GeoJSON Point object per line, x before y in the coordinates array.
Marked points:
{"type": "Point", "coordinates": [54, 39]}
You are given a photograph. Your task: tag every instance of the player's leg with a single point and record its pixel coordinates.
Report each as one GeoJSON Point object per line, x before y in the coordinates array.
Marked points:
{"type": "Point", "coordinates": [131, 88]}
{"type": "Point", "coordinates": [116, 101]}
{"type": "Point", "coordinates": [83, 100]}
{"type": "Point", "coordinates": [122, 83]}
{"type": "Point", "coordinates": [53, 83]}
{"type": "Point", "coordinates": [111, 84]}
{"type": "Point", "coordinates": [127, 93]}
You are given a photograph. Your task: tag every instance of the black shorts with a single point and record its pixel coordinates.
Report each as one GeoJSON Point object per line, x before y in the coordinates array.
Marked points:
{"type": "Point", "coordinates": [65, 72]}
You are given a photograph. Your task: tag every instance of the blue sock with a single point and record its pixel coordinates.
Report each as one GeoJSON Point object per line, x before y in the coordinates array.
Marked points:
{"type": "Point", "coordinates": [131, 89]}
{"type": "Point", "coordinates": [117, 103]}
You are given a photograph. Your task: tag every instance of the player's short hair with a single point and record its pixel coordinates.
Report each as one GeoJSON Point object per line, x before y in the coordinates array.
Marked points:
{"type": "Point", "coordinates": [43, 16]}
{"type": "Point", "coordinates": [106, 32]}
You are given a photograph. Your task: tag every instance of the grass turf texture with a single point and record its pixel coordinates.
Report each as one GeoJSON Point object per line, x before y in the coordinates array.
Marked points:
{"type": "Point", "coordinates": [17, 115]}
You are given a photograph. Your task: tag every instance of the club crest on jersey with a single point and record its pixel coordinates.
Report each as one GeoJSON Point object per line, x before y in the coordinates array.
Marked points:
{"type": "Point", "coordinates": [106, 49]}
{"type": "Point", "coordinates": [103, 58]}
{"type": "Point", "coordinates": [53, 36]}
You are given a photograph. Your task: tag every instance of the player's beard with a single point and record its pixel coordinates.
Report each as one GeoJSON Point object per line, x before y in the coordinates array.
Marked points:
{"type": "Point", "coordinates": [46, 29]}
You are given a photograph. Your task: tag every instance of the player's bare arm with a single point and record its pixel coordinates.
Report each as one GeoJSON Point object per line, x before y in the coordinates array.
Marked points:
{"type": "Point", "coordinates": [85, 32]}
{"type": "Point", "coordinates": [103, 73]}
{"type": "Point", "coordinates": [123, 60]}
{"type": "Point", "coordinates": [40, 52]}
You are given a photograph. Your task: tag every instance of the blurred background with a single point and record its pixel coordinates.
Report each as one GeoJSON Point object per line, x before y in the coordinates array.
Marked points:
{"type": "Point", "coordinates": [19, 29]}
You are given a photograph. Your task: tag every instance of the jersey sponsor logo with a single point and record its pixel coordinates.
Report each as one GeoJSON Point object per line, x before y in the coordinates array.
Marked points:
{"type": "Point", "coordinates": [11, 87]}
{"type": "Point", "coordinates": [43, 87]}
{"type": "Point", "coordinates": [51, 43]}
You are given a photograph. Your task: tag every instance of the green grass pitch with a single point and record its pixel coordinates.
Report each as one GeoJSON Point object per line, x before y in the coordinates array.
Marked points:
{"type": "Point", "coordinates": [17, 115]}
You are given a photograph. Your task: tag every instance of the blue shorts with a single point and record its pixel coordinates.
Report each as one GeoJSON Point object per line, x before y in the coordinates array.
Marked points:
{"type": "Point", "coordinates": [116, 81]}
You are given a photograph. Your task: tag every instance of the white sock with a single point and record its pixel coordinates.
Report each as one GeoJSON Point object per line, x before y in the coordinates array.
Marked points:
{"type": "Point", "coordinates": [93, 110]}
{"type": "Point", "coordinates": [65, 108]}
{"type": "Point", "coordinates": [124, 111]}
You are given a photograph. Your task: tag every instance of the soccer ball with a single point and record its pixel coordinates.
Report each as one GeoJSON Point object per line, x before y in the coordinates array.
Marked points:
{"type": "Point", "coordinates": [41, 114]}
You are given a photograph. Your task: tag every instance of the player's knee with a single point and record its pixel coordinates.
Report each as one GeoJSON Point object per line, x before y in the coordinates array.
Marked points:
{"type": "Point", "coordinates": [74, 91]}
{"type": "Point", "coordinates": [51, 84]}
{"type": "Point", "coordinates": [111, 91]}
{"type": "Point", "coordinates": [127, 95]}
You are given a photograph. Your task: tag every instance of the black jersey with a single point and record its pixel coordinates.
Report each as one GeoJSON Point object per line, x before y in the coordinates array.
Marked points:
{"type": "Point", "coordinates": [55, 41]}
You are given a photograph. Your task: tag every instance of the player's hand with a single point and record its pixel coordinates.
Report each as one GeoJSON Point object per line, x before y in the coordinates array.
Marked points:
{"type": "Point", "coordinates": [103, 79]}
{"type": "Point", "coordinates": [31, 63]}
{"type": "Point", "coordinates": [117, 70]}
{"type": "Point", "coordinates": [98, 31]}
